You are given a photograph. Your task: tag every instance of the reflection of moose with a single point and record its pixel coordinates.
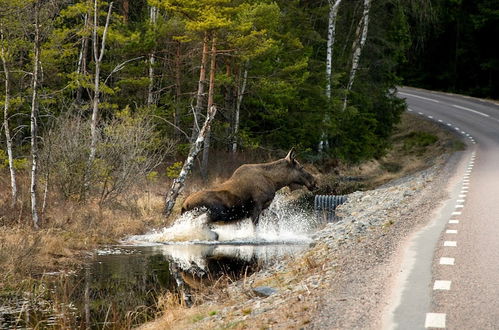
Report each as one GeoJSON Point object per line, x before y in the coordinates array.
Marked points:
{"type": "Point", "coordinates": [250, 190]}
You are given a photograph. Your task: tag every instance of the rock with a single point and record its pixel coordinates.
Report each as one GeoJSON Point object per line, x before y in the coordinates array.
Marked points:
{"type": "Point", "coordinates": [264, 291]}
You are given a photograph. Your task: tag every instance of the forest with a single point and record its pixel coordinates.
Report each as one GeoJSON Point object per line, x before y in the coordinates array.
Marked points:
{"type": "Point", "coordinates": [457, 50]}
{"type": "Point", "coordinates": [99, 96]}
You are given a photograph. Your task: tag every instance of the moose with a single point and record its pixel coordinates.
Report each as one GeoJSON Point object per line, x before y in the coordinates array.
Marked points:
{"type": "Point", "coordinates": [250, 190]}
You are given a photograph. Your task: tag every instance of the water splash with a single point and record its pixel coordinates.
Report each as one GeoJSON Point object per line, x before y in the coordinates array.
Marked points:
{"type": "Point", "coordinates": [282, 223]}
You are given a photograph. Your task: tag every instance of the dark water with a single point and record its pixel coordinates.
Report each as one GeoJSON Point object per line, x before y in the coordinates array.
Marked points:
{"type": "Point", "coordinates": [120, 287]}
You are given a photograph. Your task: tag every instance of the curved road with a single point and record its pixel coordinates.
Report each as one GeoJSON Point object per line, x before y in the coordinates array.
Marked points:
{"type": "Point", "coordinates": [449, 277]}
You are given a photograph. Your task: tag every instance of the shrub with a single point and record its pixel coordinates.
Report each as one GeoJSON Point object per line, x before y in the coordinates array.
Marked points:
{"type": "Point", "coordinates": [128, 149]}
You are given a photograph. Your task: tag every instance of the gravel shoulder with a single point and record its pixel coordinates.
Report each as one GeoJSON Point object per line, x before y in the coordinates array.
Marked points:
{"type": "Point", "coordinates": [343, 280]}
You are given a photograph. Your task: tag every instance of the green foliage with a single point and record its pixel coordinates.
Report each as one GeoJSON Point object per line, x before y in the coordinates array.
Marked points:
{"type": "Point", "coordinates": [173, 170]}
{"type": "Point", "coordinates": [20, 164]}
{"type": "Point", "coordinates": [457, 52]}
{"type": "Point", "coordinates": [151, 68]}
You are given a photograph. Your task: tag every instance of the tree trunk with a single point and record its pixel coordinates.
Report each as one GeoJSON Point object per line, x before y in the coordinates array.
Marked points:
{"type": "Point", "coordinates": [359, 45]}
{"type": "Point", "coordinates": [240, 93]}
{"type": "Point", "coordinates": [331, 33]}
{"type": "Point", "coordinates": [178, 183]}
{"type": "Point", "coordinates": [152, 60]}
{"type": "Point", "coordinates": [178, 90]}
{"type": "Point", "coordinates": [82, 59]}
{"type": "Point", "coordinates": [8, 137]}
{"type": "Point", "coordinates": [34, 123]}
{"type": "Point", "coordinates": [200, 93]}
{"type": "Point", "coordinates": [98, 60]}
{"type": "Point", "coordinates": [206, 150]}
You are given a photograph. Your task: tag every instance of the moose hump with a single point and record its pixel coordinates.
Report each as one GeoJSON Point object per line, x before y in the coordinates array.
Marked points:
{"type": "Point", "coordinates": [250, 190]}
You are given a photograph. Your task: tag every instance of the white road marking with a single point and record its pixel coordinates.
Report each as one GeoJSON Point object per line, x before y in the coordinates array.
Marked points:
{"type": "Point", "coordinates": [410, 110]}
{"type": "Point", "coordinates": [441, 285]}
{"type": "Point", "coordinates": [447, 261]}
{"type": "Point", "coordinates": [456, 213]}
{"type": "Point", "coordinates": [465, 184]}
{"type": "Point", "coordinates": [459, 206]}
{"type": "Point", "coordinates": [449, 124]}
{"type": "Point", "coordinates": [419, 97]}
{"type": "Point", "coordinates": [460, 201]}
{"type": "Point", "coordinates": [431, 117]}
{"type": "Point", "coordinates": [462, 195]}
{"type": "Point", "coordinates": [440, 121]}
{"type": "Point", "coordinates": [453, 221]}
{"type": "Point", "coordinates": [435, 320]}
{"type": "Point", "coordinates": [450, 243]}
{"type": "Point", "coordinates": [451, 231]}
{"type": "Point", "coordinates": [470, 110]}
{"type": "Point", "coordinates": [456, 128]}
{"type": "Point", "coordinates": [420, 112]}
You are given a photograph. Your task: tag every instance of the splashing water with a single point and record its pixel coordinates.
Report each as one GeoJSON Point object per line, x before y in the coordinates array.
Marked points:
{"type": "Point", "coordinates": [281, 223]}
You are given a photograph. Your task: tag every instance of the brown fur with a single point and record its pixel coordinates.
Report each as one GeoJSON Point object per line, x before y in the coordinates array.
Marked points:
{"type": "Point", "coordinates": [250, 190]}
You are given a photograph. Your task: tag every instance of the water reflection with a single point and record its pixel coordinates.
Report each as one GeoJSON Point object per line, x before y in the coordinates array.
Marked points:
{"type": "Point", "coordinates": [119, 289]}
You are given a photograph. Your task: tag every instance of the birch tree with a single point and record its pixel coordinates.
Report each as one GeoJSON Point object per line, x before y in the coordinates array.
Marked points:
{"type": "Point", "coordinates": [34, 119]}
{"type": "Point", "coordinates": [358, 46]}
{"type": "Point", "coordinates": [178, 183]}
{"type": "Point", "coordinates": [334, 5]}
{"type": "Point", "coordinates": [98, 56]}
{"type": "Point", "coordinates": [6, 108]}
{"type": "Point", "coordinates": [153, 11]}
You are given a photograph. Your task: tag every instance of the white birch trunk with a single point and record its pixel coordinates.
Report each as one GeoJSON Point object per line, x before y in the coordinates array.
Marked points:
{"type": "Point", "coordinates": [152, 60]}
{"type": "Point", "coordinates": [98, 56]}
{"type": "Point", "coordinates": [34, 123]}
{"type": "Point", "coordinates": [240, 93]}
{"type": "Point", "coordinates": [331, 33]}
{"type": "Point", "coordinates": [211, 90]}
{"type": "Point", "coordinates": [364, 22]}
{"type": "Point", "coordinates": [178, 183]}
{"type": "Point", "coordinates": [8, 137]}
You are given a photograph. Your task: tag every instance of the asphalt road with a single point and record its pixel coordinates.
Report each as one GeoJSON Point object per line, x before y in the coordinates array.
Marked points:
{"type": "Point", "coordinates": [449, 276]}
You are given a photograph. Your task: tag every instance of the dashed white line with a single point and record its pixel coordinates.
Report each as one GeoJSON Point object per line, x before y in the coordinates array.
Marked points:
{"type": "Point", "coordinates": [470, 110]}
{"type": "Point", "coordinates": [447, 261]}
{"type": "Point", "coordinates": [456, 213]}
{"type": "Point", "coordinates": [419, 112]}
{"type": "Point", "coordinates": [462, 195]}
{"type": "Point", "coordinates": [459, 206]}
{"type": "Point", "coordinates": [440, 121]}
{"type": "Point", "coordinates": [453, 221]}
{"type": "Point", "coordinates": [451, 231]}
{"type": "Point", "coordinates": [435, 320]}
{"type": "Point", "coordinates": [441, 285]}
{"type": "Point", "coordinates": [450, 243]}
{"type": "Point", "coordinates": [419, 97]}
{"type": "Point", "coordinates": [449, 124]}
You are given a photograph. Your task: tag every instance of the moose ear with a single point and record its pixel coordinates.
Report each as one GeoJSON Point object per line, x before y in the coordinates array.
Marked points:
{"type": "Point", "coordinates": [291, 156]}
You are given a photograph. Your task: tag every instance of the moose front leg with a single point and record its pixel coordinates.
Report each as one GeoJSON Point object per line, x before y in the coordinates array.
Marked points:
{"type": "Point", "coordinates": [255, 214]}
